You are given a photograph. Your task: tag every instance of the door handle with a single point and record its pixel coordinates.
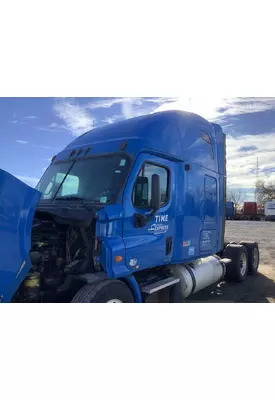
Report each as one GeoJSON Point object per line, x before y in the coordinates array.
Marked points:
{"type": "Point", "coordinates": [168, 245]}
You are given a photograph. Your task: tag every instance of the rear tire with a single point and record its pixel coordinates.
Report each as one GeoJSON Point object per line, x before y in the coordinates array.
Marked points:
{"type": "Point", "coordinates": [253, 254]}
{"type": "Point", "coordinates": [106, 291]}
{"type": "Point", "coordinates": [237, 269]}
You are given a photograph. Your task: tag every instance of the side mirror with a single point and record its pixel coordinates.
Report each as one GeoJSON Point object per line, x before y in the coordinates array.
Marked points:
{"type": "Point", "coordinates": [140, 220]}
{"type": "Point", "coordinates": [155, 192]}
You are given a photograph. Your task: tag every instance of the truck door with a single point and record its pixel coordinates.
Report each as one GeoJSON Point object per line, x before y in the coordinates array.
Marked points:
{"type": "Point", "coordinates": [17, 205]}
{"type": "Point", "coordinates": [152, 244]}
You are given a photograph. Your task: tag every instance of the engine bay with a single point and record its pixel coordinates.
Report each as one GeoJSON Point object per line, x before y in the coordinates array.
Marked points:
{"type": "Point", "coordinates": [60, 251]}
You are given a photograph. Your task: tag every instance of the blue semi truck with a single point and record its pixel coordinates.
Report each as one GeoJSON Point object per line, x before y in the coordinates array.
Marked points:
{"type": "Point", "coordinates": [230, 210]}
{"type": "Point", "coordinates": [125, 213]}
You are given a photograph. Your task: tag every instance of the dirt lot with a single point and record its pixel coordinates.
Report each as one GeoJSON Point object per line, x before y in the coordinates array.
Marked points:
{"type": "Point", "coordinates": [256, 289]}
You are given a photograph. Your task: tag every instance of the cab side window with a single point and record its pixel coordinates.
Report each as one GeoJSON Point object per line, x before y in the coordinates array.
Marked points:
{"type": "Point", "coordinates": [142, 189]}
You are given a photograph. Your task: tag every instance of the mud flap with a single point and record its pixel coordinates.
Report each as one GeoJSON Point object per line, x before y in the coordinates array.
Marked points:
{"type": "Point", "coordinates": [17, 206]}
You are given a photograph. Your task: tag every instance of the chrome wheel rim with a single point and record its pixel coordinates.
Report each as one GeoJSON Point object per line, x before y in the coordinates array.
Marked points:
{"type": "Point", "coordinates": [114, 301]}
{"type": "Point", "coordinates": [255, 258]}
{"type": "Point", "coordinates": [243, 262]}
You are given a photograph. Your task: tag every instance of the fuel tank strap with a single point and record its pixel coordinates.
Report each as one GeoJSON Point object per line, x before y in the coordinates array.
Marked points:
{"type": "Point", "coordinates": [189, 269]}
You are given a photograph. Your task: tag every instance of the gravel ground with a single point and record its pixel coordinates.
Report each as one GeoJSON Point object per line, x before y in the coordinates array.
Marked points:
{"type": "Point", "coordinates": [255, 289]}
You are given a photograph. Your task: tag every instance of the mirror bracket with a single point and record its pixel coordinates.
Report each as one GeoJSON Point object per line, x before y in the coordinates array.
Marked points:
{"type": "Point", "coordinates": [140, 220]}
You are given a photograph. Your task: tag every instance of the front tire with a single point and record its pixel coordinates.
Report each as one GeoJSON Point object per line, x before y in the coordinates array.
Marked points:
{"type": "Point", "coordinates": [107, 291]}
{"type": "Point", "coordinates": [237, 269]}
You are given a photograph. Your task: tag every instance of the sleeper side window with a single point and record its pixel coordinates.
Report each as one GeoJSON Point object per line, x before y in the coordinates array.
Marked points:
{"type": "Point", "coordinates": [206, 138]}
{"type": "Point", "coordinates": [210, 198]}
{"type": "Point", "coordinates": [142, 189]}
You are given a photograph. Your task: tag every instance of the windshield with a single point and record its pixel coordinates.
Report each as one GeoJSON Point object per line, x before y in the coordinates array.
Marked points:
{"type": "Point", "coordinates": [97, 179]}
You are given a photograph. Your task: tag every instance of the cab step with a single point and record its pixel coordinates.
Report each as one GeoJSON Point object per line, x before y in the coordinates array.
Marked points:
{"type": "Point", "coordinates": [159, 285]}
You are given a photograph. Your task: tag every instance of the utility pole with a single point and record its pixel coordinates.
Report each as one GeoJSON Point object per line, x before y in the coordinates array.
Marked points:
{"type": "Point", "coordinates": [257, 178]}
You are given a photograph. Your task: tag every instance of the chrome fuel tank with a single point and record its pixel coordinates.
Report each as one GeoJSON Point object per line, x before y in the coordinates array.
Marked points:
{"type": "Point", "coordinates": [198, 274]}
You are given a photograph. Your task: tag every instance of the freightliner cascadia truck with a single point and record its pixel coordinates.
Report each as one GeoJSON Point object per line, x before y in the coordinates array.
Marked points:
{"type": "Point", "coordinates": [126, 212]}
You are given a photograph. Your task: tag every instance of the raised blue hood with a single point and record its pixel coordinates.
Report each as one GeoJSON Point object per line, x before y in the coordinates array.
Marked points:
{"type": "Point", "coordinates": [17, 206]}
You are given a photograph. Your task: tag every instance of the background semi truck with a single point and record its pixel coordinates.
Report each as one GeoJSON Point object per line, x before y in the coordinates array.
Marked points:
{"type": "Point", "coordinates": [230, 210]}
{"type": "Point", "coordinates": [269, 210]}
{"type": "Point", "coordinates": [124, 213]}
{"type": "Point", "coordinates": [250, 211]}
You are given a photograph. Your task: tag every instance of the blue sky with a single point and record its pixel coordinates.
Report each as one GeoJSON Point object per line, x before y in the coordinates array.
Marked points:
{"type": "Point", "coordinates": [32, 130]}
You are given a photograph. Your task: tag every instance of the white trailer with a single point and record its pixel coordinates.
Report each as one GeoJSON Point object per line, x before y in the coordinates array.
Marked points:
{"type": "Point", "coordinates": [269, 210]}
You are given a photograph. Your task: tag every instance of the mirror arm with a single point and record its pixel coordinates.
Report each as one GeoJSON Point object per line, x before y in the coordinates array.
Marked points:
{"type": "Point", "coordinates": [140, 220]}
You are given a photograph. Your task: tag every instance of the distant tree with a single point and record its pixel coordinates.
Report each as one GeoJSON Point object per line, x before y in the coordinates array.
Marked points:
{"type": "Point", "coordinates": [235, 195]}
{"type": "Point", "coordinates": [265, 191]}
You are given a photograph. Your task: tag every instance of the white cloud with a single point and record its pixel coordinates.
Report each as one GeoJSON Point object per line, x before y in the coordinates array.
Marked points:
{"type": "Point", "coordinates": [160, 100]}
{"type": "Point", "coordinates": [56, 125]}
{"type": "Point", "coordinates": [112, 119]}
{"type": "Point", "coordinates": [241, 165]}
{"type": "Point", "coordinates": [108, 103]}
{"type": "Point", "coordinates": [247, 105]}
{"type": "Point", "coordinates": [53, 127]}
{"type": "Point", "coordinates": [79, 120]}
{"type": "Point", "coordinates": [130, 106]}
{"type": "Point", "coordinates": [75, 117]}
{"type": "Point", "coordinates": [29, 180]}
{"type": "Point", "coordinates": [30, 117]}
{"type": "Point", "coordinates": [127, 108]}
{"type": "Point", "coordinates": [14, 121]}
{"type": "Point", "coordinates": [104, 103]}
{"type": "Point", "coordinates": [214, 107]}
{"type": "Point", "coordinates": [134, 107]}
{"type": "Point", "coordinates": [44, 147]}
{"type": "Point", "coordinates": [22, 141]}
{"type": "Point", "coordinates": [204, 106]}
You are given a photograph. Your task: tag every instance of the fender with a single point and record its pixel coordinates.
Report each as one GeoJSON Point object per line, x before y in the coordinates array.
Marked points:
{"type": "Point", "coordinates": [17, 207]}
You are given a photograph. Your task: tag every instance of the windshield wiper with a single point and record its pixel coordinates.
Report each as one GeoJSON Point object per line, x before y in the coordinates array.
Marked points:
{"type": "Point", "coordinates": [69, 198]}
{"type": "Point", "coordinates": [63, 180]}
